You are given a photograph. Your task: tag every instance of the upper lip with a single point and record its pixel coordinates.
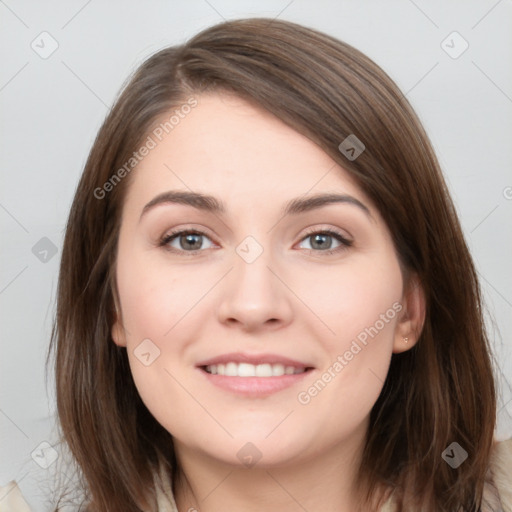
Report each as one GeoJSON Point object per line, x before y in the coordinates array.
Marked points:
{"type": "Point", "coordinates": [255, 359]}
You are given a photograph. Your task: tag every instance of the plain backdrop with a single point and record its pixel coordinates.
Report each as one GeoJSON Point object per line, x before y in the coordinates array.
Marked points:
{"type": "Point", "coordinates": [52, 106]}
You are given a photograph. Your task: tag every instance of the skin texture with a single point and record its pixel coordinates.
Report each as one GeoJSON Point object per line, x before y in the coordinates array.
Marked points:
{"type": "Point", "coordinates": [293, 300]}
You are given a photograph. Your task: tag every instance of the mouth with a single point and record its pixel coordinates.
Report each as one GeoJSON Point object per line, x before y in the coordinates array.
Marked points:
{"type": "Point", "coordinates": [253, 376]}
{"type": "Point", "coordinates": [232, 369]}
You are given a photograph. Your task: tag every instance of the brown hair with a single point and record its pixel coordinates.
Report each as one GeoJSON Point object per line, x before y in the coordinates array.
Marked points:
{"type": "Point", "coordinates": [440, 391]}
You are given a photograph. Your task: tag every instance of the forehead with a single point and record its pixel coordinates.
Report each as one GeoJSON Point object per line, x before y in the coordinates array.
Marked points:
{"type": "Point", "coordinates": [228, 147]}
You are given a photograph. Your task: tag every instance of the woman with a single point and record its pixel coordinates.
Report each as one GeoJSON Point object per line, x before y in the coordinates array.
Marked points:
{"type": "Point", "coordinates": [256, 372]}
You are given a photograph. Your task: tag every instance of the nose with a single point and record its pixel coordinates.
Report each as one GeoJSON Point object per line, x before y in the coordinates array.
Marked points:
{"type": "Point", "coordinates": [255, 295]}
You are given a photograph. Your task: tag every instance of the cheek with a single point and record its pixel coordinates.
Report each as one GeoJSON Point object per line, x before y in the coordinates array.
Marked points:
{"type": "Point", "coordinates": [362, 308]}
{"type": "Point", "coordinates": [356, 299]}
{"type": "Point", "coordinates": [153, 297]}
{"type": "Point", "coordinates": [158, 305]}
{"type": "Point", "coordinates": [153, 303]}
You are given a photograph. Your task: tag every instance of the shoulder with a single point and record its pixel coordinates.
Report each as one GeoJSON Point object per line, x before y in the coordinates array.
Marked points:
{"type": "Point", "coordinates": [163, 489]}
{"type": "Point", "coordinates": [11, 498]}
{"type": "Point", "coordinates": [500, 468]}
{"type": "Point", "coordinates": [498, 488]}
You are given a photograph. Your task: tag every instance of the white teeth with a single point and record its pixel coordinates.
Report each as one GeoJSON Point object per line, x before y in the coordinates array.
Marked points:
{"type": "Point", "coordinates": [264, 370]}
{"type": "Point", "coordinates": [231, 370]}
{"type": "Point", "coordinates": [251, 370]}
{"type": "Point", "coordinates": [246, 370]}
{"type": "Point", "coordinates": [277, 370]}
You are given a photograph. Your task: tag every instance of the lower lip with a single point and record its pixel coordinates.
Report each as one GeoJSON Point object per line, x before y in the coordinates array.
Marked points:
{"type": "Point", "coordinates": [254, 386]}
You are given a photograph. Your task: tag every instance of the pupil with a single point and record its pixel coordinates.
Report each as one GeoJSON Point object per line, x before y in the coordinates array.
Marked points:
{"type": "Point", "coordinates": [321, 245]}
{"type": "Point", "coordinates": [190, 239]}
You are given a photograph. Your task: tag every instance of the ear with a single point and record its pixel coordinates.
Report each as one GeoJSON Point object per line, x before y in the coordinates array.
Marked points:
{"type": "Point", "coordinates": [412, 316]}
{"type": "Point", "coordinates": [118, 332]}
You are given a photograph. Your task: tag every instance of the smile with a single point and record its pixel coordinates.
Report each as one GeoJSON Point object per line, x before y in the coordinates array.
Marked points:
{"type": "Point", "coordinates": [233, 369]}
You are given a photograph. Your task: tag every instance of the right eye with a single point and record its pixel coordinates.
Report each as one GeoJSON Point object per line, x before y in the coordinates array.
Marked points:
{"type": "Point", "coordinates": [188, 241]}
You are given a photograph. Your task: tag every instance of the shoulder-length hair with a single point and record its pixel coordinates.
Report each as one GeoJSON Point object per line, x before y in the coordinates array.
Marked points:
{"type": "Point", "coordinates": [440, 391]}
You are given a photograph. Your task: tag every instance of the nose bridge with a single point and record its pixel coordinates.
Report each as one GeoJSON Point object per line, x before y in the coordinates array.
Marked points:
{"type": "Point", "coordinates": [252, 293]}
{"type": "Point", "coordinates": [252, 265]}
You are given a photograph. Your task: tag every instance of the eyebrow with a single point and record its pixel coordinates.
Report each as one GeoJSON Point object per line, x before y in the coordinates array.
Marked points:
{"type": "Point", "coordinates": [211, 204]}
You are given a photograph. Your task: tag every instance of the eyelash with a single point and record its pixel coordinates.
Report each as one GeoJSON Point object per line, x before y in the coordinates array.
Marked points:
{"type": "Point", "coordinates": [345, 243]}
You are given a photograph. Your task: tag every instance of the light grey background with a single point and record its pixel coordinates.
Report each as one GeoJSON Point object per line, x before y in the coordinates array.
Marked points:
{"type": "Point", "coordinates": [51, 109]}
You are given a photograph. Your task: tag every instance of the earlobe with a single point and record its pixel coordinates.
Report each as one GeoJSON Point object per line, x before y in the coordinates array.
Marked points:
{"type": "Point", "coordinates": [412, 317]}
{"type": "Point", "coordinates": [117, 331]}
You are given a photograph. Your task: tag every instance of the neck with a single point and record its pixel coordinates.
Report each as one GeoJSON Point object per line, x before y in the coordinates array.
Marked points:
{"type": "Point", "coordinates": [324, 483]}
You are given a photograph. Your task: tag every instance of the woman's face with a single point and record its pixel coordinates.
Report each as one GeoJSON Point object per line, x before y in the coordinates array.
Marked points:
{"type": "Point", "coordinates": [267, 337]}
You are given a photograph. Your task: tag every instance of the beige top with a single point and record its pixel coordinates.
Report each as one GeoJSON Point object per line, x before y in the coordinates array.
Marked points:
{"type": "Point", "coordinates": [500, 466]}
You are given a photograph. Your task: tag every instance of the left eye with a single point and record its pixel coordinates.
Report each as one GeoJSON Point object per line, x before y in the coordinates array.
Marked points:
{"type": "Point", "coordinates": [322, 241]}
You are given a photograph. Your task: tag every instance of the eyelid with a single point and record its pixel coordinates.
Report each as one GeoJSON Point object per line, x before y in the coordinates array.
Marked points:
{"type": "Point", "coordinates": [327, 229]}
